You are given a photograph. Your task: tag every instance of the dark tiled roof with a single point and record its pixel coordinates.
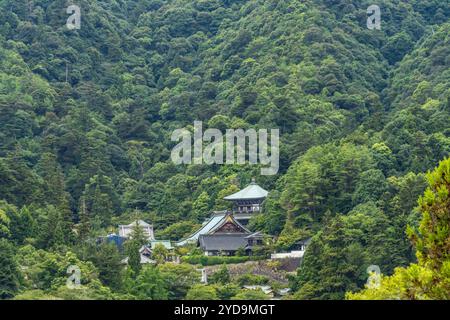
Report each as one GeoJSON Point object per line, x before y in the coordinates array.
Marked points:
{"type": "Point", "coordinates": [227, 242]}
{"type": "Point", "coordinates": [217, 220]}
{"type": "Point", "coordinates": [255, 235]}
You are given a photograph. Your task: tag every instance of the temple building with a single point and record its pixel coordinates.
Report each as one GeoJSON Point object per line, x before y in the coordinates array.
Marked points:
{"type": "Point", "coordinates": [222, 234]}
{"type": "Point", "coordinates": [146, 252]}
{"type": "Point", "coordinates": [227, 237]}
{"type": "Point", "coordinates": [247, 202]}
{"type": "Point", "coordinates": [225, 232]}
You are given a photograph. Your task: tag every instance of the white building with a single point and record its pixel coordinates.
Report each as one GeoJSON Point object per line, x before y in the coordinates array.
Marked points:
{"type": "Point", "coordinates": [126, 230]}
{"type": "Point", "coordinates": [284, 255]}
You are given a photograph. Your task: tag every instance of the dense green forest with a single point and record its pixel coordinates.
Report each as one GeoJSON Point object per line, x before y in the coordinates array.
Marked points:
{"type": "Point", "coordinates": [86, 117]}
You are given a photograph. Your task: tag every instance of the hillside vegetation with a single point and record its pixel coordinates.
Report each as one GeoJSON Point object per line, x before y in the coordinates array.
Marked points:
{"type": "Point", "coordinates": [86, 118]}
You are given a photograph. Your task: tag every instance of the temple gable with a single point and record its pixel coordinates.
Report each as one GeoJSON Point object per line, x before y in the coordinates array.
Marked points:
{"type": "Point", "coordinates": [230, 227]}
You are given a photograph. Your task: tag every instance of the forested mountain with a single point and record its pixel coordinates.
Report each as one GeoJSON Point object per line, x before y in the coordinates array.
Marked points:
{"type": "Point", "coordinates": [86, 118]}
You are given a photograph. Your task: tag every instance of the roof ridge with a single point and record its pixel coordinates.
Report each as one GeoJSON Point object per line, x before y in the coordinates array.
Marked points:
{"type": "Point", "coordinates": [251, 191]}
{"type": "Point", "coordinates": [219, 224]}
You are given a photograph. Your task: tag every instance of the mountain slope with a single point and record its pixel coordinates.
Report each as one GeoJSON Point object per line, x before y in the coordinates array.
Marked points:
{"type": "Point", "coordinates": [86, 117]}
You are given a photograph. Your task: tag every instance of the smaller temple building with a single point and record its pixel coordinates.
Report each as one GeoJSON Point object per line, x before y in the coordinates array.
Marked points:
{"type": "Point", "coordinates": [146, 251]}
{"type": "Point", "coordinates": [126, 230]}
{"type": "Point", "coordinates": [247, 202]}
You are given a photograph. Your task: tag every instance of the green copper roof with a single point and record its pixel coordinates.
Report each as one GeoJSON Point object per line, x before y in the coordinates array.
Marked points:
{"type": "Point", "coordinates": [165, 243]}
{"type": "Point", "coordinates": [252, 191]}
{"type": "Point", "coordinates": [207, 227]}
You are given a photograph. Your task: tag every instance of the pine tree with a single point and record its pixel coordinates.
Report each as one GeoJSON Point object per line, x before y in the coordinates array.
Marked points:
{"type": "Point", "coordinates": [23, 225]}
{"type": "Point", "coordinates": [432, 240]}
{"type": "Point", "coordinates": [98, 195]}
{"type": "Point", "coordinates": [137, 234]}
{"type": "Point", "coordinates": [85, 223]}
{"type": "Point", "coordinates": [107, 260]}
{"type": "Point", "coordinates": [134, 256]}
{"type": "Point", "coordinates": [56, 194]}
{"type": "Point", "coordinates": [9, 271]}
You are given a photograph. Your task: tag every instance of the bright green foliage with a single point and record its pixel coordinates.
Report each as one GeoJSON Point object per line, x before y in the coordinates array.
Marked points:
{"type": "Point", "coordinates": [201, 292]}
{"type": "Point", "coordinates": [214, 260]}
{"type": "Point", "coordinates": [45, 270]}
{"type": "Point", "coordinates": [324, 179]}
{"type": "Point", "coordinates": [160, 253]}
{"type": "Point", "coordinates": [148, 285]}
{"type": "Point", "coordinates": [221, 276]}
{"type": "Point", "coordinates": [179, 278]}
{"type": "Point", "coordinates": [432, 241]}
{"type": "Point", "coordinates": [226, 291]}
{"type": "Point", "coordinates": [4, 224]}
{"type": "Point", "coordinates": [200, 207]}
{"type": "Point", "coordinates": [252, 279]}
{"type": "Point", "coordinates": [93, 291]}
{"type": "Point", "coordinates": [250, 295]}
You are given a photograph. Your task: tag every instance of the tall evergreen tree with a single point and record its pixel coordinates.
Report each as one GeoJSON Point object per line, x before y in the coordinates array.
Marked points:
{"type": "Point", "coordinates": [99, 195]}
{"type": "Point", "coordinates": [134, 256]}
{"type": "Point", "coordinates": [56, 195]}
{"type": "Point", "coordinates": [9, 270]}
{"type": "Point", "coordinates": [84, 228]}
{"type": "Point", "coordinates": [137, 234]}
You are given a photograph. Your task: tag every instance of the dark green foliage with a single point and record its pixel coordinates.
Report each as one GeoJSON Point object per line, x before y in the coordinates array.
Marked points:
{"type": "Point", "coordinates": [9, 270]}
{"type": "Point", "coordinates": [86, 117]}
{"type": "Point", "coordinates": [324, 179]}
{"type": "Point", "coordinates": [107, 260]}
{"type": "Point", "coordinates": [178, 230]}
{"type": "Point", "coordinates": [338, 256]}
{"type": "Point", "coordinates": [134, 257]}
{"type": "Point", "coordinates": [252, 279]}
{"type": "Point", "coordinates": [148, 285]}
